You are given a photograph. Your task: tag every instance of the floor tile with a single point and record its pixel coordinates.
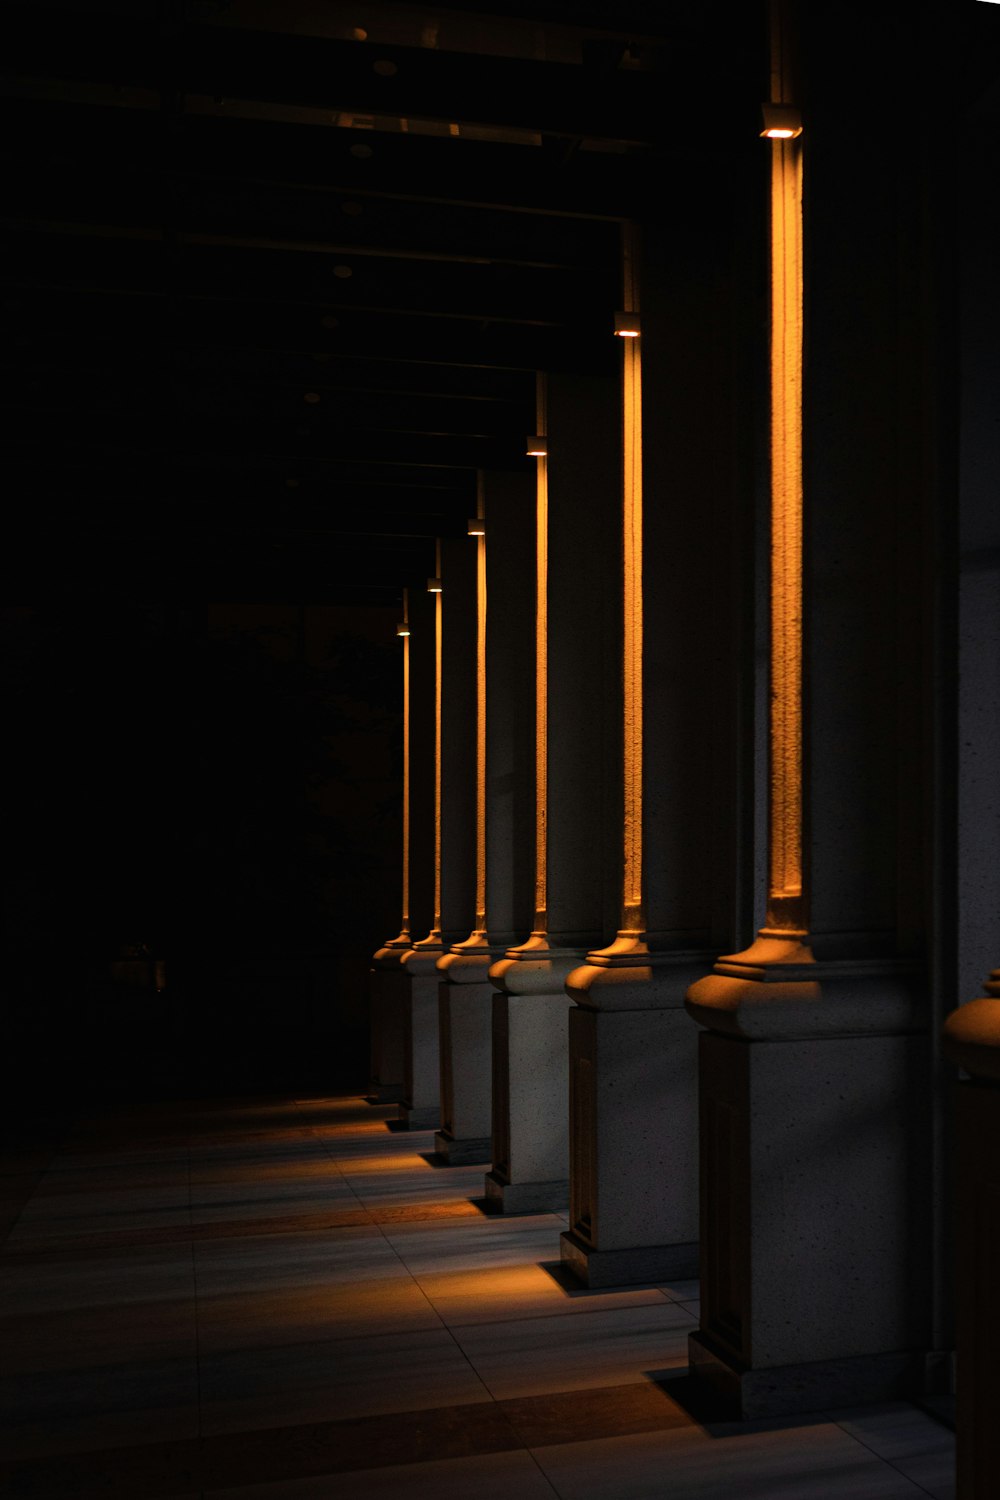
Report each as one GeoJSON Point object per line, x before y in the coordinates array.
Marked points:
{"type": "Point", "coordinates": [504, 1293]}
{"type": "Point", "coordinates": [494, 1476]}
{"type": "Point", "coordinates": [114, 1334]}
{"type": "Point", "coordinates": [139, 1276]}
{"type": "Point", "coordinates": [682, 1291]}
{"type": "Point", "coordinates": [318, 1382]}
{"type": "Point", "coordinates": [273, 1261]}
{"type": "Point", "coordinates": [142, 1403]}
{"type": "Point", "coordinates": [268, 1319]}
{"type": "Point", "coordinates": [809, 1463]}
{"type": "Point", "coordinates": [913, 1442]}
{"type": "Point", "coordinates": [490, 1242]}
{"type": "Point", "coordinates": [562, 1354]}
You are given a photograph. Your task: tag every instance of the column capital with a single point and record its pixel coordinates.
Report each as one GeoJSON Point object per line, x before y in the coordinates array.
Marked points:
{"type": "Point", "coordinates": [535, 968]}
{"type": "Point", "coordinates": [972, 1033]}
{"type": "Point", "coordinates": [652, 981]}
{"type": "Point", "coordinates": [391, 954]}
{"type": "Point", "coordinates": [777, 991]}
{"type": "Point", "coordinates": [422, 958]}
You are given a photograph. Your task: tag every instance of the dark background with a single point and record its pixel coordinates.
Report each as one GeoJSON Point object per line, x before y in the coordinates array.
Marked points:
{"type": "Point", "coordinates": [219, 788]}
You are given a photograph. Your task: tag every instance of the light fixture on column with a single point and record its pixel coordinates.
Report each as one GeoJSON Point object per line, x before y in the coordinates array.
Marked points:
{"type": "Point", "coordinates": [402, 628]}
{"type": "Point", "coordinates": [782, 122]}
{"type": "Point", "coordinates": [434, 585]}
{"type": "Point", "coordinates": [627, 325]}
{"type": "Point", "coordinates": [537, 446]}
{"type": "Point", "coordinates": [476, 527]}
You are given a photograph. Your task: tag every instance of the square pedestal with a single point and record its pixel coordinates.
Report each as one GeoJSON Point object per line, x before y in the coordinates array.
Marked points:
{"type": "Point", "coordinates": [420, 1108]}
{"type": "Point", "coordinates": [634, 1146]}
{"type": "Point", "coordinates": [814, 1289]}
{"type": "Point", "coordinates": [465, 1022]}
{"type": "Point", "coordinates": [530, 1103]}
{"type": "Point", "coordinates": [389, 991]}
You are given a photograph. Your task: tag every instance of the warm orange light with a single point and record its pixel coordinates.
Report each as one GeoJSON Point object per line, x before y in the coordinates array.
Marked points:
{"type": "Point", "coordinates": [438, 663]}
{"type": "Point", "coordinates": [782, 122]}
{"type": "Point", "coordinates": [627, 325]}
{"type": "Point", "coordinates": [633, 917]}
{"type": "Point", "coordinates": [785, 861]}
{"type": "Point", "coordinates": [404, 630]}
{"type": "Point", "coordinates": [537, 446]}
{"type": "Point", "coordinates": [434, 585]}
{"type": "Point", "coordinates": [541, 667]}
{"type": "Point", "coordinates": [476, 527]}
{"type": "Point", "coordinates": [480, 709]}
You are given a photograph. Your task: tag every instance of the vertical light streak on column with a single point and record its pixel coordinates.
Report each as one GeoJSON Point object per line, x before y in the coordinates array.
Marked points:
{"type": "Point", "coordinates": [633, 917]}
{"type": "Point", "coordinates": [405, 930]}
{"type": "Point", "coordinates": [541, 663]}
{"type": "Point", "coordinates": [785, 886]}
{"type": "Point", "coordinates": [438, 664]}
{"type": "Point", "coordinates": [480, 711]}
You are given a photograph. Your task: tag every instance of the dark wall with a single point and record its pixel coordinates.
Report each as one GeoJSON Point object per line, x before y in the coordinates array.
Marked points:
{"type": "Point", "coordinates": [216, 788]}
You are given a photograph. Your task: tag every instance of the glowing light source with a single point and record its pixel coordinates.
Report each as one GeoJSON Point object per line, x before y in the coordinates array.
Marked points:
{"type": "Point", "coordinates": [402, 628]}
{"type": "Point", "coordinates": [476, 527]}
{"type": "Point", "coordinates": [782, 122]}
{"type": "Point", "coordinates": [481, 709]}
{"type": "Point", "coordinates": [434, 585]}
{"type": "Point", "coordinates": [633, 913]}
{"type": "Point", "coordinates": [786, 897]}
{"type": "Point", "coordinates": [537, 446]}
{"type": "Point", "coordinates": [541, 667]}
{"type": "Point", "coordinates": [628, 325]}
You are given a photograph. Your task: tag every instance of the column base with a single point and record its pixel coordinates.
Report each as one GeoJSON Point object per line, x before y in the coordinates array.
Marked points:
{"type": "Point", "coordinates": [628, 1267]}
{"type": "Point", "coordinates": [384, 1093]}
{"type": "Point", "coordinates": [466, 1151]}
{"type": "Point", "coordinates": [505, 1197]}
{"type": "Point", "coordinates": [733, 1392]}
{"type": "Point", "coordinates": [425, 1118]}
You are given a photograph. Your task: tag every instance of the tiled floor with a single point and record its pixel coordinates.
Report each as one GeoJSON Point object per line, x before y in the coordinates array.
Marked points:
{"type": "Point", "coordinates": [286, 1300]}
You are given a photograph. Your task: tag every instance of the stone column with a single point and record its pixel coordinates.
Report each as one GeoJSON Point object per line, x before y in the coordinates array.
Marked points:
{"type": "Point", "coordinates": [453, 597]}
{"type": "Point", "coordinates": [815, 1082]}
{"type": "Point", "coordinates": [972, 1041]}
{"type": "Point", "coordinates": [504, 814]}
{"type": "Point", "coordinates": [634, 1149]}
{"type": "Point", "coordinates": [389, 980]}
{"type": "Point", "coordinates": [576, 627]}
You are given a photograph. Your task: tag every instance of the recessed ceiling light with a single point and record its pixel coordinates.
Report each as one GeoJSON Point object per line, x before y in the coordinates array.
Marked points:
{"type": "Point", "coordinates": [358, 34]}
{"type": "Point", "coordinates": [384, 68]}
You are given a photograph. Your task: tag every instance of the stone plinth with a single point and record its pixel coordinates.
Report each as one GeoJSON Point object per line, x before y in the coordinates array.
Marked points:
{"type": "Point", "coordinates": [531, 1080]}
{"type": "Point", "coordinates": [388, 986]}
{"type": "Point", "coordinates": [972, 1040]}
{"type": "Point", "coordinates": [465, 1001]}
{"type": "Point", "coordinates": [813, 1102]}
{"type": "Point", "coordinates": [420, 1106]}
{"type": "Point", "coordinates": [633, 1122]}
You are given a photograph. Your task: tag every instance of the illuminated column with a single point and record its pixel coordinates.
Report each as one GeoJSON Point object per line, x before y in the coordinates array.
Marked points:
{"type": "Point", "coordinates": [972, 1041]}
{"type": "Point", "coordinates": [633, 1136]}
{"type": "Point", "coordinates": [452, 596]}
{"type": "Point", "coordinates": [390, 978]}
{"type": "Point", "coordinates": [504, 813]}
{"type": "Point", "coordinates": [576, 627]}
{"type": "Point", "coordinates": [815, 1082]}
{"type": "Point", "coordinates": [387, 979]}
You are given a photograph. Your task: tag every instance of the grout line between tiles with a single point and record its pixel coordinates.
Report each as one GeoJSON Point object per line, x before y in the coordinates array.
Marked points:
{"type": "Point", "coordinates": [887, 1461]}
